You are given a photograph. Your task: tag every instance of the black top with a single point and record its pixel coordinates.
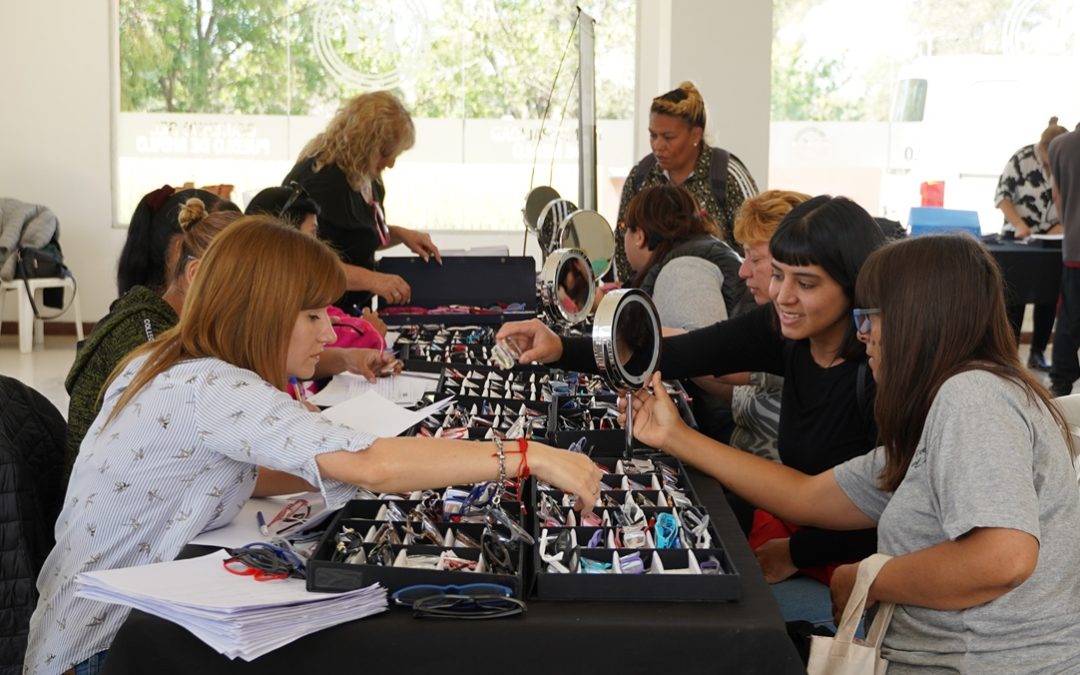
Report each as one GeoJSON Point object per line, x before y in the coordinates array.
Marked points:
{"type": "Point", "coordinates": [346, 222]}
{"type": "Point", "coordinates": [822, 422]}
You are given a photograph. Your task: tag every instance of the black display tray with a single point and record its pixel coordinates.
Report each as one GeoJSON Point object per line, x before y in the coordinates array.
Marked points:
{"type": "Point", "coordinates": [652, 587]}
{"type": "Point", "coordinates": [324, 575]}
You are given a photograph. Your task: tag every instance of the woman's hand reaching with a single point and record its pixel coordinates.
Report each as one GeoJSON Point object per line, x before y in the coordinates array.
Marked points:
{"type": "Point", "coordinates": [656, 419]}
{"type": "Point", "coordinates": [534, 340]}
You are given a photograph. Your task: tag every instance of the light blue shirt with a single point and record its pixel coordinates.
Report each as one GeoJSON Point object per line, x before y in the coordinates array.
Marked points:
{"type": "Point", "coordinates": [179, 459]}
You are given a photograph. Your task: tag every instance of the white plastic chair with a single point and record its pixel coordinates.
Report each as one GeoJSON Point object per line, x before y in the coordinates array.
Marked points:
{"type": "Point", "coordinates": [31, 329]}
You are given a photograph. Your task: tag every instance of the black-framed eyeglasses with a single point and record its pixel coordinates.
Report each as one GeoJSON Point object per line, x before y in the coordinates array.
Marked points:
{"type": "Point", "coordinates": [862, 319]}
{"type": "Point", "coordinates": [264, 562]}
{"type": "Point", "coordinates": [471, 601]}
{"type": "Point", "coordinates": [298, 191]}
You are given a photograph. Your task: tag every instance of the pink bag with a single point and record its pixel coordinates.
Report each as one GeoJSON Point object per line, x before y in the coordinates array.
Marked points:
{"type": "Point", "coordinates": [354, 332]}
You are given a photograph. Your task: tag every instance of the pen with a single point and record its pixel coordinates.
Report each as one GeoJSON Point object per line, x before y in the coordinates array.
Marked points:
{"type": "Point", "coordinates": [389, 368]}
{"type": "Point", "coordinates": [299, 393]}
{"type": "Point", "coordinates": [262, 523]}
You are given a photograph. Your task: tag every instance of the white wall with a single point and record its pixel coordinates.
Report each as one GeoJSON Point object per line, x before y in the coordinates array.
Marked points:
{"type": "Point", "coordinates": [54, 131]}
{"type": "Point", "coordinates": [55, 113]}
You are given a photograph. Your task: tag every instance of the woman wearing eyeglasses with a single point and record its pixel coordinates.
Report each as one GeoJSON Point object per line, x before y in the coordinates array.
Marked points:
{"type": "Point", "coordinates": [341, 169]}
{"type": "Point", "coordinates": [291, 204]}
{"type": "Point", "coordinates": [186, 420]}
{"type": "Point", "coordinates": [806, 336]}
{"type": "Point", "coordinates": [973, 489]}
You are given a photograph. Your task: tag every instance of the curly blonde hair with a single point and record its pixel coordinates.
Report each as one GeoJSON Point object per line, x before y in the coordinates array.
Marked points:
{"type": "Point", "coordinates": [366, 131]}
{"type": "Point", "coordinates": [685, 103]}
{"type": "Point", "coordinates": [760, 216]}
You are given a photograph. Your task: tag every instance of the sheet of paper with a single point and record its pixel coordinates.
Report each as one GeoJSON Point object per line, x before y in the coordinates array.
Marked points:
{"type": "Point", "coordinates": [406, 388]}
{"type": "Point", "coordinates": [374, 414]}
{"type": "Point", "coordinates": [244, 528]}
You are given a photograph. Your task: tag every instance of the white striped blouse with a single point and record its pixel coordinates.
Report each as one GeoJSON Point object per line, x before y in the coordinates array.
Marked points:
{"type": "Point", "coordinates": [179, 459]}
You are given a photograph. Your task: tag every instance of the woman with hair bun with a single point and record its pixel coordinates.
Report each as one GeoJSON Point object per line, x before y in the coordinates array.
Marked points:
{"type": "Point", "coordinates": [137, 317]}
{"type": "Point", "coordinates": [145, 259]}
{"type": "Point", "coordinates": [717, 179]}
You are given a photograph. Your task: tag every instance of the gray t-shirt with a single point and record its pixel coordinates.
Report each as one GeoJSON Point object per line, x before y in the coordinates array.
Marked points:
{"type": "Point", "coordinates": [987, 458]}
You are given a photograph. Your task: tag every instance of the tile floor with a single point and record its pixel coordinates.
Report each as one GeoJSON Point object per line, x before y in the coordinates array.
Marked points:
{"type": "Point", "coordinates": [46, 367]}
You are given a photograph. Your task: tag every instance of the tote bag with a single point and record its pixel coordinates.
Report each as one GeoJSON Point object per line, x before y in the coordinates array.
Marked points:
{"type": "Point", "coordinates": [843, 654]}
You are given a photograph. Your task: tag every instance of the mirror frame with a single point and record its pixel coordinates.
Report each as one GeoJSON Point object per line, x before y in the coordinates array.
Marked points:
{"type": "Point", "coordinates": [535, 201]}
{"type": "Point", "coordinates": [564, 228]}
{"type": "Point", "coordinates": [557, 210]}
{"type": "Point", "coordinates": [604, 343]}
{"type": "Point", "coordinates": [549, 287]}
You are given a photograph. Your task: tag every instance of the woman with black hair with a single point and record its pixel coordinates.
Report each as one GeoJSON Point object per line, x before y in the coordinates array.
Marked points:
{"type": "Point", "coordinates": [806, 336]}
{"type": "Point", "coordinates": [145, 259]}
{"type": "Point", "coordinates": [291, 204]}
{"type": "Point", "coordinates": [973, 490]}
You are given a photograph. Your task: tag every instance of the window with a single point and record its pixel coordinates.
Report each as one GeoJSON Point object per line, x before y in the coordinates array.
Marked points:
{"type": "Point", "coordinates": [228, 92]}
{"type": "Point", "coordinates": [910, 101]}
{"type": "Point", "coordinates": [870, 99]}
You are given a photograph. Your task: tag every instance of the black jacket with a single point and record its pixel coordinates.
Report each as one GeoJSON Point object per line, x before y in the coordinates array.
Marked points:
{"type": "Point", "coordinates": [31, 494]}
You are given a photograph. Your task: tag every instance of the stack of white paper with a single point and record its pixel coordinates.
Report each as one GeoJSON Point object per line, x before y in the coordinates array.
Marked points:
{"type": "Point", "coordinates": [235, 615]}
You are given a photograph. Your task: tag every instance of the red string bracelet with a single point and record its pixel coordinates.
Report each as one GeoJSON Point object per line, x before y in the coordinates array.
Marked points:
{"type": "Point", "coordinates": [523, 450]}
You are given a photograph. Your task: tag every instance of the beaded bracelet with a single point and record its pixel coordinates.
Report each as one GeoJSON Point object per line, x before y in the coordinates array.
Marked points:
{"type": "Point", "coordinates": [501, 454]}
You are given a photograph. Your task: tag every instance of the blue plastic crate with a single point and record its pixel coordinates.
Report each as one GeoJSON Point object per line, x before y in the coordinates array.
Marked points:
{"type": "Point", "coordinates": [936, 220]}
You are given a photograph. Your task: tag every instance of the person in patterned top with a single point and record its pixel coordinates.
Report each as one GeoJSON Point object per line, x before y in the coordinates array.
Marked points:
{"type": "Point", "coordinates": [1026, 200]}
{"type": "Point", "coordinates": [187, 418]}
{"type": "Point", "coordinates": [718, 180]}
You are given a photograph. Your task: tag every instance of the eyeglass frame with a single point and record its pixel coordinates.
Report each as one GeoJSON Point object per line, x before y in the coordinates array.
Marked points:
{"type": "Point", "coordinates": [298, 191]}
{"type": "Point", "coordinates": [861, 317]}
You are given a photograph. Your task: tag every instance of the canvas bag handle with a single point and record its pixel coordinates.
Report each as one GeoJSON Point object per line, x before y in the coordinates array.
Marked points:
{"type": "Point", "coordinates": [856, 604]}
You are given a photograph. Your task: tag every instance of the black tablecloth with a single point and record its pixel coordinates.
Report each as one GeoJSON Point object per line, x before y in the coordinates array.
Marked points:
{"type": "Point", "coordinates": [747, 636]}
{"type": "Point", "coordinates": [1032, 273]}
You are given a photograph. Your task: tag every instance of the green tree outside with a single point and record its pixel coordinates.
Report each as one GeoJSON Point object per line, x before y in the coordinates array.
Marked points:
{"type": "Point", "coordinates": [480, 58]}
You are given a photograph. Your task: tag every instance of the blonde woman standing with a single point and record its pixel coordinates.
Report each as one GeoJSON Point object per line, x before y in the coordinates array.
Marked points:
{"type": "Point", "coordinates": [341, 169]}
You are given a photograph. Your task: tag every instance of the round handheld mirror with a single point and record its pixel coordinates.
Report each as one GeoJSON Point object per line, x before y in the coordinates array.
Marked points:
{"type": "Point", "coordinates": [535, 201]}
{"type": "Point", "coordinates": [549, 221]}
{"type": "Point", "coordinates": [590, 232]}
{"type": "Point", "coordinates": [567, 288]}
{"type": "Point", "coordinates": [626, 345]}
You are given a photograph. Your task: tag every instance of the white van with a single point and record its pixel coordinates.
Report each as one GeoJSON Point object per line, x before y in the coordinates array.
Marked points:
{"type": "Point", "coordinates": [958, 119]}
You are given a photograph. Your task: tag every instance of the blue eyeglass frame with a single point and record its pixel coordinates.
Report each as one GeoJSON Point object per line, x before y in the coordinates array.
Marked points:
{"type": "Point", "coordinates": [862, 319]}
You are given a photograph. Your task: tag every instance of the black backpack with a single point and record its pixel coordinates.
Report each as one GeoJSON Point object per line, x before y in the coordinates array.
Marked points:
{"type": "Point", "coordinates": [717, 173]}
